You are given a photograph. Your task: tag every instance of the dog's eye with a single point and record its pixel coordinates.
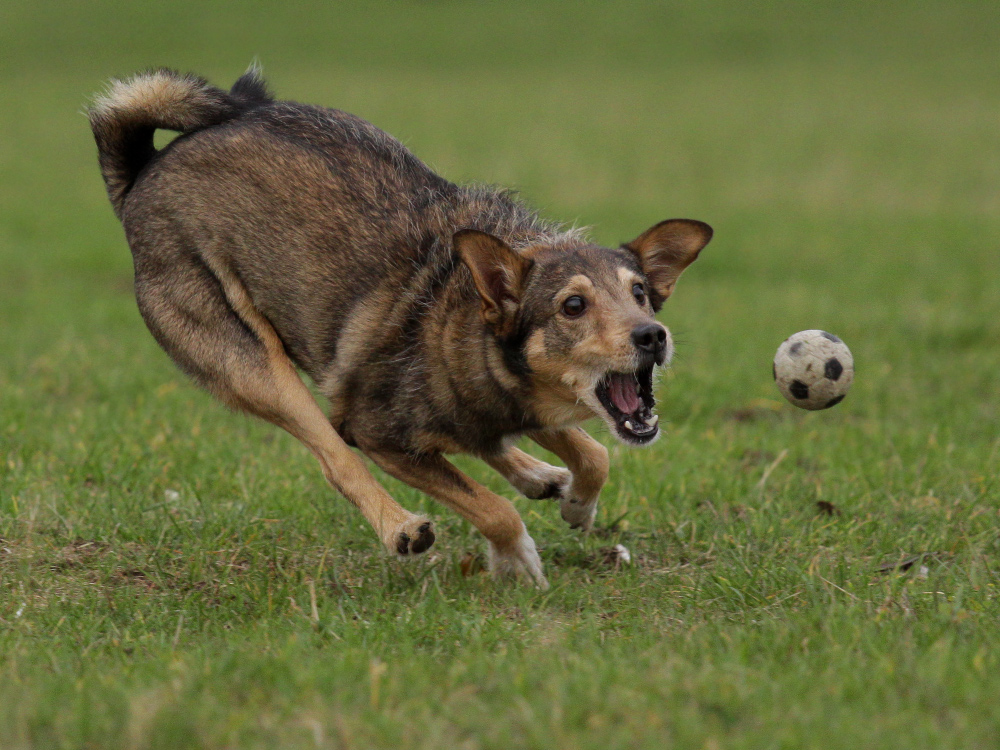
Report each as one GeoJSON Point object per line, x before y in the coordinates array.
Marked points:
{"type": "Point", "coordinates": [574, 306]}
{"type": "Point", "coordinates": [639, 293]}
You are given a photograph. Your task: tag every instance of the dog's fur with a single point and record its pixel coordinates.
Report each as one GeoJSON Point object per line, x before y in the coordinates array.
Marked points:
{"type": "Point", "coordinates": [273, 236]}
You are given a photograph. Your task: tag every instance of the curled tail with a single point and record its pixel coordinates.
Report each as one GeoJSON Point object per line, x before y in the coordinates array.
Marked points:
{"type": "Point", "coordinates": [125, 118]}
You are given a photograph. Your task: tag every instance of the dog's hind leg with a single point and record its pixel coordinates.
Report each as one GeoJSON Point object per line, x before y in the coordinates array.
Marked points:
{"type": "Point", "coordinates": [531, 477]}
{"type": "Point", "coordinates": [512, 550]}
{"type": "Point", "coordinates": [207, 323]}
{"type": "Point", "coordinates": [588, 460]}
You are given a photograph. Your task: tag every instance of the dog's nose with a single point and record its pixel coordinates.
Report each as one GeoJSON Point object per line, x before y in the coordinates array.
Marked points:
{"type": "Point", "coordinates": [649, 337]}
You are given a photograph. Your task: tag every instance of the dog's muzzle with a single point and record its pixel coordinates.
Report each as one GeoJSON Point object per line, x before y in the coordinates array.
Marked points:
{"type": "Point", "coordinates": [652, 341]}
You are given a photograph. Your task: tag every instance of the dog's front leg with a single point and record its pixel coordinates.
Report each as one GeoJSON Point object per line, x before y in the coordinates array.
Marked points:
{"type": "Point", "coordinates": [588, 460]}
{"type": "Point", "coordinates": [531, 477]}
{"type": "Point", "coordinates": [512, 550]}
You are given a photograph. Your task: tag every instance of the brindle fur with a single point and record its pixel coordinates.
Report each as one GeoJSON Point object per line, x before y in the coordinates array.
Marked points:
{"type": "Point", "coordinates": [272, 237]}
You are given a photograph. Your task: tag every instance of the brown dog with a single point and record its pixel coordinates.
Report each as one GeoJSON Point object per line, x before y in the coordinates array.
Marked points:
{"type": "Point", "coordinates": [274, 236]}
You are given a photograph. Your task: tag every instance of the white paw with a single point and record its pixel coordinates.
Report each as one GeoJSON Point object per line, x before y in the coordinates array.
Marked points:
{"type": "Point", "coordinates": [544, 483]}
{"type": "Point", "coordinates": [579, 514]}
{"type": "Point", "coordinates": [520, 560]}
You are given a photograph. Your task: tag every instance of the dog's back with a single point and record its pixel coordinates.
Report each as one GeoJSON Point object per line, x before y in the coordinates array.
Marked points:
{"type": "Point", "coordinates": [309, 208]}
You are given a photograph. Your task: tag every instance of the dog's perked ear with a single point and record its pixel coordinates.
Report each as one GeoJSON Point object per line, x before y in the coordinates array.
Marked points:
{"type": "Point", "coordinates": [498, 272]}
{"type": "Point", "coordinates": [665, 250]}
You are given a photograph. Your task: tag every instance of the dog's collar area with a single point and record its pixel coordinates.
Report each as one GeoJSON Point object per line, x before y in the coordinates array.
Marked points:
{"type": "Point", "coordinates": [628, 399]}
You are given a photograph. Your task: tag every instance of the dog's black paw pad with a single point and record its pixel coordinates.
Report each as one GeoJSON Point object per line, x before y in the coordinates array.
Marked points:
{"type": "Point", "coordinates": [424, 541]}
{"type": "Point", "coordinates": [403, 544]}
{"type": "Point", "coordinates": [421, 540]}
{"type": "Point", "coordinates": [552, 489]}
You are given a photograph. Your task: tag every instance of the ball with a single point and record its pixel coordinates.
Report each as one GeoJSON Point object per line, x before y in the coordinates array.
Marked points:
{"type": "Point", "coordinates": [813, 369]}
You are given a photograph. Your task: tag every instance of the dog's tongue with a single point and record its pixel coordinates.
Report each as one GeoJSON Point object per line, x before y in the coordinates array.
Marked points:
{"type": "Point", "coordinates": [623, 394]}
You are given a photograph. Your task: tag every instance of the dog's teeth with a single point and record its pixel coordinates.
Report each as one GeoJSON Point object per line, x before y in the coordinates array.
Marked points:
{"type": "Point", "coordinates": [628, 426]}
{"type": "Point", "coordinates": [652, 422]}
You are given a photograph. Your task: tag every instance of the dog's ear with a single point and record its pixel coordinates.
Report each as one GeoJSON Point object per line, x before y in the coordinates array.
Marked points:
{"type": "Point", "coordinates": [665, 250]}
{"type": "Point", "coordinates": [498, 272]}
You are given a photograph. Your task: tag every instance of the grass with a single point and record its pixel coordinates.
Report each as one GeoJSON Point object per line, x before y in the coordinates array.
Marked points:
{"type": "Point", "coordinates": [174, 575]}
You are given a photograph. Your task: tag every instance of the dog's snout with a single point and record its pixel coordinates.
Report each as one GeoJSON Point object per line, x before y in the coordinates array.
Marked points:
{"type": "Point", "coordinates": [649, 337]}
{"type": "Point", "coordinates": [653, 342]}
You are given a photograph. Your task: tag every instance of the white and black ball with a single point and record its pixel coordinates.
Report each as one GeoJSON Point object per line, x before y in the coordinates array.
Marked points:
{"type": "Point", "coordinates": [813, 369]}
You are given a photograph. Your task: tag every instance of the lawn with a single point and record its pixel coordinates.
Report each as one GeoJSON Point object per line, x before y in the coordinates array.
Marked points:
{"type": "Point", "coordinates": [175, 575]}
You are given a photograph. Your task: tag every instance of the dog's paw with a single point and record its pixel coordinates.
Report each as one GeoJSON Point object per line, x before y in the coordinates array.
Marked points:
{"type": "Point", "coordinates": [551, 482]}
{"type": "Point", "coordinates": [413, 536]}
{"type": "Point", "coordinates": [579, 514]}
{"type": "Point", "coordinates": [519, 561]}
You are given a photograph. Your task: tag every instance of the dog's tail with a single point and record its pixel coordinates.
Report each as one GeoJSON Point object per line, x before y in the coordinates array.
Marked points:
{"type": "Point", "coordinates": [126, 116]}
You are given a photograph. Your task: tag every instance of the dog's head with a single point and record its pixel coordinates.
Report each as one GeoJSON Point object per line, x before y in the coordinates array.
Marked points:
{"type": "Point", "coordinates": [581, 319]}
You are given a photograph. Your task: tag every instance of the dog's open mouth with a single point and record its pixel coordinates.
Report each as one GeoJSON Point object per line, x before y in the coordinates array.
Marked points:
{"type": "Point", "coordinates": [629, 401]}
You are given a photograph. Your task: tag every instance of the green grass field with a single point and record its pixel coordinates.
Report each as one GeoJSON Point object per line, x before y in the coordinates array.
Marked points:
{"type": "Point", "coordinates": [174, 575]}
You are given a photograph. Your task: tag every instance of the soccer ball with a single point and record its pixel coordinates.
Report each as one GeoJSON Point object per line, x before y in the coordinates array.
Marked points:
{"type": "Point", "coordinates": [813, 369]}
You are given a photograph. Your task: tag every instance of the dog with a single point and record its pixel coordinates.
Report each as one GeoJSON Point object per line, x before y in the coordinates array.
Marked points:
{"type": "Point", "coordinates": [271, 238]}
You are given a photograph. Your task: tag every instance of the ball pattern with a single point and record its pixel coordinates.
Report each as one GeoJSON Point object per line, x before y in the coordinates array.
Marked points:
{"type": "Point", "coordinates": [833, 369]}
{"type": "Point", "coordinates": [798, 389]}
{"type": "Point", "coordinates": [813, 369]}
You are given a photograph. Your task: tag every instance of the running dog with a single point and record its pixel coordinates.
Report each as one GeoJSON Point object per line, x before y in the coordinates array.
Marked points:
{"type": "Point", "coordinates": [273, 237]}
